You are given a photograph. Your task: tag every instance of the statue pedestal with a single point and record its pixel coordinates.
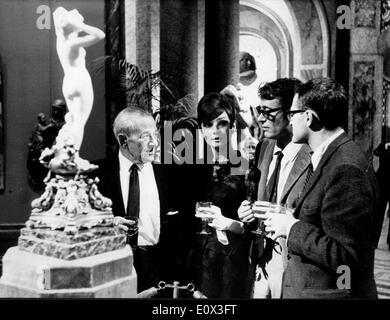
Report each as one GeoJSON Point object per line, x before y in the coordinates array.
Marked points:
{"type": "Point", "coordinates": [107, 275]}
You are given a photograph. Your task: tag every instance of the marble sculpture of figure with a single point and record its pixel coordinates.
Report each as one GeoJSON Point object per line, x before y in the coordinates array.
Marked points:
{"type": "Point", "coordinates": [77, 85]}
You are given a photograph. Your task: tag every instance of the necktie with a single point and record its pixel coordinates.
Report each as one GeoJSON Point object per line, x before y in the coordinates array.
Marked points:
{"type": "Point", "coordinates": [133, 199]}
{"type": "Point", "coordinates": [308, 175]}
{"type": "Point", "coordinates": [272, 186]}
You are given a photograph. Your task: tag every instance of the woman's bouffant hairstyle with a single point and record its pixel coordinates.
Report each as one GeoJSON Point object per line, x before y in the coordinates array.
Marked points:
{"type": "Point", "coordinates": [214, 104]}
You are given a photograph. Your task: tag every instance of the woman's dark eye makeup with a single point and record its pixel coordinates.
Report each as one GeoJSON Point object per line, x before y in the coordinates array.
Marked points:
{"type": "Point", "coordinates": [223, 123]}
{"type": "Point", "coordinates": [220, 123]}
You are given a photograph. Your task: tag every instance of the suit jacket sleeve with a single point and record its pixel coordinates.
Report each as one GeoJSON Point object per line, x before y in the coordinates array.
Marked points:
{"type": "Point", "coordinates": [345, 207]}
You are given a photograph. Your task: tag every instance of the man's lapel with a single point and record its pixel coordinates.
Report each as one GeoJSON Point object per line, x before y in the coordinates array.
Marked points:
{"type": "Point", "coordinates": [158, 177]}
{"type": "Point", "coordinates": [158, 170]}
{"type": "Point", "coordinates": [299, 167]}
{"type": "Point", "coordinates": [115, 182]}
{"type": "Point", "coordinates": [332, 148]}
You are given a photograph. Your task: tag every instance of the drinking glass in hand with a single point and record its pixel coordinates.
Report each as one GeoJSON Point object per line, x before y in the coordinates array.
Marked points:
{"type": "Point", "coordinates": [205, 221]}
{"type": "Point", "coordinates": [132, 231]}
{"type": "Point", "coordinates": [259, 209]}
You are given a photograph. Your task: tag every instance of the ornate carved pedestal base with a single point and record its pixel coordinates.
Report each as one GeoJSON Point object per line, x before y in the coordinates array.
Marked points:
{"type": "Point", "coordinates": [107, 275]}
{"type": "Point", "coordinates": [59, 245]}
{"type": "Point", "coordinates": [70, 247]}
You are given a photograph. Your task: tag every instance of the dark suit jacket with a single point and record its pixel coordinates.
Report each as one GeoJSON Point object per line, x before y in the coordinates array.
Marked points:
{"type": "Point", "coordinates": [335, 229]}
{"type": "Point", "coordinates": [109, 186]}
{"type": "Point", "coordinates": [296, 178]}
{"type": "Point", "coordinates": [292, 189]}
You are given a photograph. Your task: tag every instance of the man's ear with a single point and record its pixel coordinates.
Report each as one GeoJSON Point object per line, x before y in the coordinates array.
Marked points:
{"type": "Point", "coordinates": [309, 117]}
{"type": "Point", "coordinates": [313, 120]}
{"type": "Point", "coordinates": [122, 140]}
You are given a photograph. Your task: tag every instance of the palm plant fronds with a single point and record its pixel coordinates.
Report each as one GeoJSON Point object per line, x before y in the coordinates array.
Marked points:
{"type": "Point", "coordinates": [141, 87]}
{"type": "Point", "coordinates": [136, 83]}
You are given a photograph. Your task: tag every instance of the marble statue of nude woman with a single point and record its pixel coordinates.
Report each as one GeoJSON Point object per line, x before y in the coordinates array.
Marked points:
{"type": "Point", "coordinates": [77, 84]}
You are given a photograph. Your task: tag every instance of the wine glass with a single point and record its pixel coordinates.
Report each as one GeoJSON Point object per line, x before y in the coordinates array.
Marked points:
{"type": "Point", "coordinates": [132, 229]}
{"type": "Point", "coordinates": [262, 207]}
{"type": "Point", "coordinates": [205, 221]}
{"type": "Point", "coordinates": [259, 209]}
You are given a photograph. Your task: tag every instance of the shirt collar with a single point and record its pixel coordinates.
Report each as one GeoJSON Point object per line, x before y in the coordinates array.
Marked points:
{"type": "Point", "coordinates": [125, 164]}
{"type": "Point", "coordinates": [289, 152]}
{"type": "Point", "coordinates": [321, 149]}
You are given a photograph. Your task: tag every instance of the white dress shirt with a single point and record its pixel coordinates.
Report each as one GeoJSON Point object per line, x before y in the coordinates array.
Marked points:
{"type": "Point", "coordinates": [149, 206]}
{"type": "Point", "coordinates": [290, 153]}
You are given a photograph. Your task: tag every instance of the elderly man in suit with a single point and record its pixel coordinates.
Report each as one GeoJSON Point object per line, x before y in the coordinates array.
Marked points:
{"type": "Point", "coordinates": [330, 234]}
{"type": "Point", "coordinates": [138, 188]}
{"type": "Point", "coordinates": [282, 165]}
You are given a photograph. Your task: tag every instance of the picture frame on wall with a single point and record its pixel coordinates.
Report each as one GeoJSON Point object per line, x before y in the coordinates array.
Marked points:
{"type": "Point", "coordinates": [2, 147]}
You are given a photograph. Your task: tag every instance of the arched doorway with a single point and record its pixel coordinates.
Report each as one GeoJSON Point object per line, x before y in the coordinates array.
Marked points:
{"type": "Point", "coordinates": [265, 55]}
{"type": "Point", "coordinates": [296, 30]}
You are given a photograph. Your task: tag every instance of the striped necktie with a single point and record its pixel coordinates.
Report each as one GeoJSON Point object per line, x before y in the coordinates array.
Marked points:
{"type": "Point", "coordinates": [309, 174]}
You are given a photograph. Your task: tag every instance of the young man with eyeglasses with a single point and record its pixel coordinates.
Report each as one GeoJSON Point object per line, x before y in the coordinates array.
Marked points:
{"type": "Point", "coordinates": [282, 165]}
{"type": "Point", "coordinates": [330, 236]}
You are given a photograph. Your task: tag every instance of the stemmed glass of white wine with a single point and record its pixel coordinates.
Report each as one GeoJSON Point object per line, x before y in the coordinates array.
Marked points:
{"type": "Point", "coordinates": [205, 228]}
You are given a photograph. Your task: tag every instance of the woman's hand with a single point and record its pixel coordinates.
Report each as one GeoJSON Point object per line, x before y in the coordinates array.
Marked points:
{"type": "Point", "coordinates": [210, 213]}
{"type": "Point", "coordinates": [215, 217]}
{"type": "Point", "coordinates": [219, 221]}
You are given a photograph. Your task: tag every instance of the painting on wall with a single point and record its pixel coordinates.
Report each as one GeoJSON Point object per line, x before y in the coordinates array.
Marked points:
{"type": "Point", "coordinates": [2, 147]}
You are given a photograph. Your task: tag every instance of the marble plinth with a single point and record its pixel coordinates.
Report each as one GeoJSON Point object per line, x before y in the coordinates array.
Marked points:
{"type": "Point", "coordinates": [106, 275]}
{"type": "Point", "coordinates": [57, 244]}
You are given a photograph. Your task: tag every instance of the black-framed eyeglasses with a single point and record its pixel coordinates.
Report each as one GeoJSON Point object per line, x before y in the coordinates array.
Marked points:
{"type": "Point", "coordinates": [267, 112]}
{"type": "Point", "coordinates": [291, 113]}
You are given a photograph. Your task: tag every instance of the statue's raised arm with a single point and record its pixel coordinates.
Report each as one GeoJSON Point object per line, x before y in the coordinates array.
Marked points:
{"type": "Point", "coordinates": [77, 85]}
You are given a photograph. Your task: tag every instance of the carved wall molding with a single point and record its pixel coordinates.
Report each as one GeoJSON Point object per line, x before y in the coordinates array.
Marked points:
{"type": "Point", "coordinates": [385, 25]}
{"type": "Point", "coordinates": [365, 112]}
{"type": "Point", "coordinates": [365, 13]}
{"type": "Point", "coordinates": [385, 15]}
{"type": "Point", "coordinates": [116, 47]}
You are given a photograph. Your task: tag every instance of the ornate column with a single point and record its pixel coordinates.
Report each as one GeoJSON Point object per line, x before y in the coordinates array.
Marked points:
{"type": "Point", "coordinates": [115, 46]}
{"type": "Point", "coordinates": [342, 55]}
{"type": "Point", "coordinates": [384, 48]}
{"type": "Point", "coordinates": [142, 38]}
{"type": "Point", "coordinates": [179, 46]}
{"type": "Point", "coordinates": [221, 44]}
{"type": "Point", "coordinates": [366, 74]}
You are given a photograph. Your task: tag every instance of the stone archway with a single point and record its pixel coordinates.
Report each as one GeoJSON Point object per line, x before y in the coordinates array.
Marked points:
{"type": "Point", "coordinates": [298, 30]}
{"type": "Point", "coordinates": [258, 19]}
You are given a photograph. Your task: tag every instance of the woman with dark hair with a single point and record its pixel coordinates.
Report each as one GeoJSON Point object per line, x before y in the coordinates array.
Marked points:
{"type": "Point", "coordinates": [222, 268]}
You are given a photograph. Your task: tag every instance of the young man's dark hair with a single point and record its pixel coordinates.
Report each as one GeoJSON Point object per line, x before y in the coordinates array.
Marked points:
{"type": "Point", "coordinates": [327, 98]}
{"type": "Point", "coordinates": [283, 89]}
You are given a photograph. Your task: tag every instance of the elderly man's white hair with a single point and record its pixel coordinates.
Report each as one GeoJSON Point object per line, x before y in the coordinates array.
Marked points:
{"type": "Point", "coordinates": [128, 121]}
